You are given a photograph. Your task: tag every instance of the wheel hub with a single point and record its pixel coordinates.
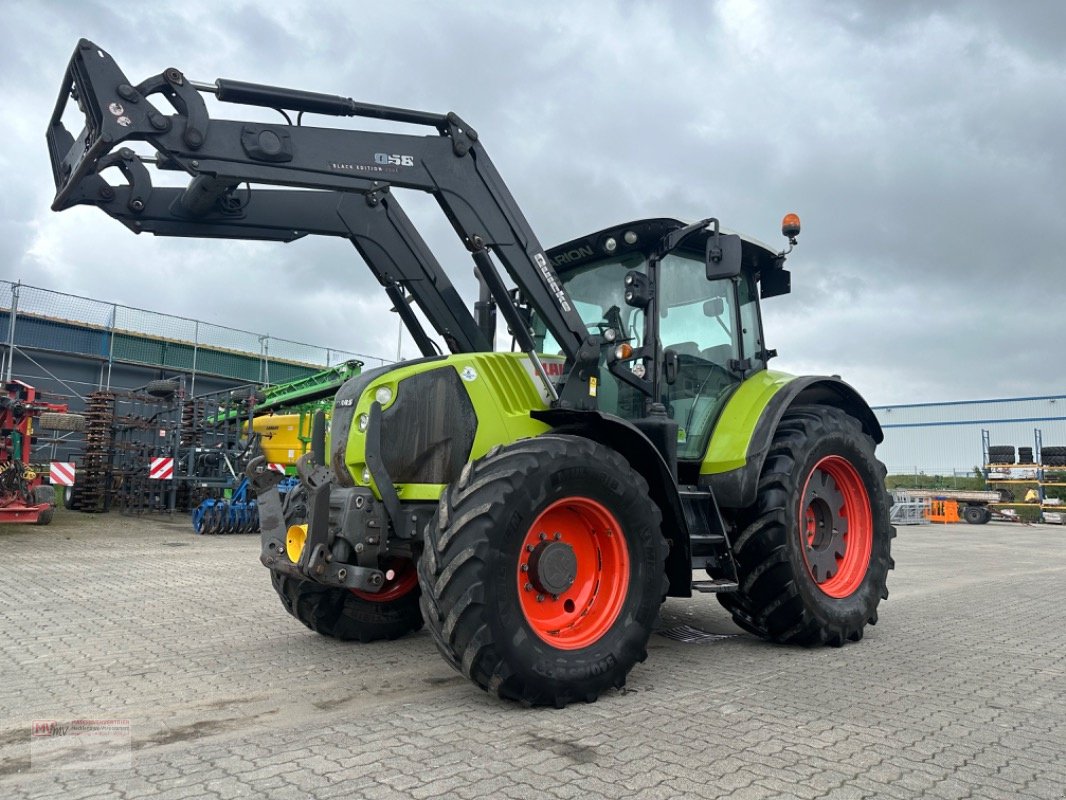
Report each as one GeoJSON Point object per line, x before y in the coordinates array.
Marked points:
{"type": "Point", "coordinates": [824, 544]}
{"type": "Point", "coordinates": [573, 572]}
{"type": "Point", "coordinates": [835, 526]}
{"type": "Point", "coordinates": [552, 567]}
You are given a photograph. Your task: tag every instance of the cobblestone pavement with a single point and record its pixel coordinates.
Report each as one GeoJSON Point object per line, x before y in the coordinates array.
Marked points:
{"type": "Point", "coordinates": [959, 692]}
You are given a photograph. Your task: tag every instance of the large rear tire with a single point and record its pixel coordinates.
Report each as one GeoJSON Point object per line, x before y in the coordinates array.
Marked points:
{"type": "Point", "coordinates": [813, 554]}
{"type": "Point", "coordinates": [542, 571]}
{"type": "Point", "coordinates": [343, 614]}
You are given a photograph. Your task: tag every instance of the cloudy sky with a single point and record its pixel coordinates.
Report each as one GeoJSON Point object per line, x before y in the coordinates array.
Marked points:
{"type": "Point", "coordinates": [921, 143]}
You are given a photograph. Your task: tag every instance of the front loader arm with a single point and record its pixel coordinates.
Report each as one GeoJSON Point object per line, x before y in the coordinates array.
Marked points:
{"type": "Point", "coordinates": [349, 172]}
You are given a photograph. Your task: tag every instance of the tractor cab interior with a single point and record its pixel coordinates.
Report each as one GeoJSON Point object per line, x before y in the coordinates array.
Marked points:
{"type": "Point", "coordinates": [711, 326]}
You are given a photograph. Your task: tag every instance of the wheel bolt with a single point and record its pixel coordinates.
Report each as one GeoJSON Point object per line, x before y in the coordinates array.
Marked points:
{"type": "Point", "coordinates": [543, 536]}
{"type": "Point", "coordinates": [555, 597]}
{"type": "Point", "coordinates": [558, 536]}
{"type": "Point", "coordinates": [529, 588]}
{"type": "Point", "coordinates": [540, 598]}
{"type": "Point", "coordinates": [529, 547]}
{"type": "Point", "coordinates": [525, 568]}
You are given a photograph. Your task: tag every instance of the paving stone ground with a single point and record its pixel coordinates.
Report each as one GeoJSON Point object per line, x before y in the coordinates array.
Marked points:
{"type": "Point", "coordinates": [958, 692]}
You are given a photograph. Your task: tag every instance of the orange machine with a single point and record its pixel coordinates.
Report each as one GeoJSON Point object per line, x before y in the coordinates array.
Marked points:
{"type": "Point", "coordinates": [942, 511]}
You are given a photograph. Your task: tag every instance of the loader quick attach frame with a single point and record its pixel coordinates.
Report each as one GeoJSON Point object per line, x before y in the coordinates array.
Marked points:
{"type": "Point", "coordinates": [351, 173]}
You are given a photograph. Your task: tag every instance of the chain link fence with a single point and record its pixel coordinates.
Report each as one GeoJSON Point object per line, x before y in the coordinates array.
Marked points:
{"type": "Point", "coordinates": [44, 319]}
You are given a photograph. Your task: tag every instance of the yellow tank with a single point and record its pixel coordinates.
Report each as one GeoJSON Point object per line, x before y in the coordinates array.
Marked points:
{"type": "Point", "coordinates": [284, 437]}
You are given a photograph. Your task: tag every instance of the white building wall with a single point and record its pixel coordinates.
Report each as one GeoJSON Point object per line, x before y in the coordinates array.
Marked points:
{"type": "Point", "coordinates": [942, 438]}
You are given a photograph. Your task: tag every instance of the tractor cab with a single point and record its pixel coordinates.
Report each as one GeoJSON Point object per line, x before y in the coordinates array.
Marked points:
{"type": "Point", "coordinates": [710, 334]}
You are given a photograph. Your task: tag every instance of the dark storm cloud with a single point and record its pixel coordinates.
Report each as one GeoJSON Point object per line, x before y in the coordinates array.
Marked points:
{"type": "Point", "coordinates": [920, 144]}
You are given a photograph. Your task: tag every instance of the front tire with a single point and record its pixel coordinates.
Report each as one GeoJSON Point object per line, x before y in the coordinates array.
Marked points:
{"type": "Point", "coordinates": [814, 552]}
{"type": "Point", "coordinates": [344, 614]}
{"type": "Point", "coordinates": [542, 571]}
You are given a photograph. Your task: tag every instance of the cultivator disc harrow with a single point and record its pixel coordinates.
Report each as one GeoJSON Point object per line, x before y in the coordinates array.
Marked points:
{"type": "Point", "coordinates": [237, 514]}
{"type": "Point", "coordinates": [91, 491]}
{"type": "Point", "coordinates": [193, 413]}
{"type": "Point", "coordinates": [221, 516]}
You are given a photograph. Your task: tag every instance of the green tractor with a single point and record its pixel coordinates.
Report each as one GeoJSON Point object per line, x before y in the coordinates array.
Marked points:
{"type": "Point", "coordinates": [532, 508]}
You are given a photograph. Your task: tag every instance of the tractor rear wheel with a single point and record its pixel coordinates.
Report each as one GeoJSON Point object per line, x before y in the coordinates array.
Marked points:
{"type": "Point", "coordinates": [349, 615]}
{"type": "Point", "coordinates": [542, 570]}
{"type": "Point", "coordinates": [813, 554]}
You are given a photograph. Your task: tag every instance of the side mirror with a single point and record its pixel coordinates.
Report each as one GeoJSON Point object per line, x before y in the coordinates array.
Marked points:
{"type": "Point", "coordinates": [714, 307]}
{"type": "Point", "coordinates": [723, 256]}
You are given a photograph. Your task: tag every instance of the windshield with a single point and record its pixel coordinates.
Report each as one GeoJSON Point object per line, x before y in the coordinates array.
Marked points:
{"type": "Point", "coordinates": [595, 290]}
{"type": "Point", "coordinates": [697, 320]}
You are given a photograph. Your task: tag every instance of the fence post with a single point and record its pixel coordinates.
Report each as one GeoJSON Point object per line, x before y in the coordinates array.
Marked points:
{"type": "Point", "coordinates": [195, 353]}
{"type": "Point", "coordinates": [11, 329]}
{"type": "Point", "coordinates": [264, 342]}
{"type": "Point", "coordinates": [111, 346]}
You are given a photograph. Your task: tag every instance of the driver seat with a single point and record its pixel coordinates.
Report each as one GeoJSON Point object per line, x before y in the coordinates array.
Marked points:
{"type": "Point", "coordinates": [719, 354]}
{"type": "Point", "coordinates": [684, 348]}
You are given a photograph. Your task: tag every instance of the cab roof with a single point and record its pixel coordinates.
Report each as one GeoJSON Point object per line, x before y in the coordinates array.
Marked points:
{"type": "Point", "coordinates": [584, 249]}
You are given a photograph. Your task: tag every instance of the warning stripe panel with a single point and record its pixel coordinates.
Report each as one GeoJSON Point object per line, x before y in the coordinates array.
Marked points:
{"type": "Point", "coordinates": [161, 469]}
{"type": "Point", "coordinates": [61, 473]}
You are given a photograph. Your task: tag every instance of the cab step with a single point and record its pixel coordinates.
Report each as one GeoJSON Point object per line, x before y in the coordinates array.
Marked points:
{"type": "Point", "coordinates": [715, 585]}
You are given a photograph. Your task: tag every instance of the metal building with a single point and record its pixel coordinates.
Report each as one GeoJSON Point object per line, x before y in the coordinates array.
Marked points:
{"type": "Point", "coordinates": [70, 346]}
{"type": "Point", "coordinates": [945, 438]}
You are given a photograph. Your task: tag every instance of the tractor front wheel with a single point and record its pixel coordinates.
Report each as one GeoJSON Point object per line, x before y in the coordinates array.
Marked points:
{"type": "Point", "coordinates": [350, 615]}
{"type": "Point", "coordinates": [542, 570]}
{"type": "Point", "coordinates": [813, 554]}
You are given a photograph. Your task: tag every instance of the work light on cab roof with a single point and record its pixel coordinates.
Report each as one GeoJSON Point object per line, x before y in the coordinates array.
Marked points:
{"type": "Point", "coordinates": [790, 228]}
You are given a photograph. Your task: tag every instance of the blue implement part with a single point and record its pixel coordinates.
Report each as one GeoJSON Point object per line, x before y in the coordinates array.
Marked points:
{"type": "Point", "coordinates": [238, 514]}
{"type": "Point", "coordinates": [203, 514]}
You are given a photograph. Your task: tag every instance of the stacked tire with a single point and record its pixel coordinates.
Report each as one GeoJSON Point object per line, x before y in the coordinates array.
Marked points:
{"type": "Point", "coordinates": [1053, 456]}
{"type": "Point", "coordinates": [1001, 454]}
{"type": "Point", "coordinates": [1025, 455]}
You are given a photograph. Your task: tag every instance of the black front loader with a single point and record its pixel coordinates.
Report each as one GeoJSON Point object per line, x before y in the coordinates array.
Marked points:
{"type": "Point", "coordinates": [342, 183]}
{"type": "Point", "coordinates": [350, 173]}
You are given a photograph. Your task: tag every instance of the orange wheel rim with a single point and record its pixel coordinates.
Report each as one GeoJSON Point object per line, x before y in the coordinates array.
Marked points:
{"type": "Point", "coordinates": [836, 526]}
{"type": "Point", "coordinates": [573, 573]}
{"type": "Point", "coordinates": [400, 579]}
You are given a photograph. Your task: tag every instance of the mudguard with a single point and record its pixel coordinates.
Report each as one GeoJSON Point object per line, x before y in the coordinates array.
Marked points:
{"type": "Point", "coordinates": [736, 487]}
